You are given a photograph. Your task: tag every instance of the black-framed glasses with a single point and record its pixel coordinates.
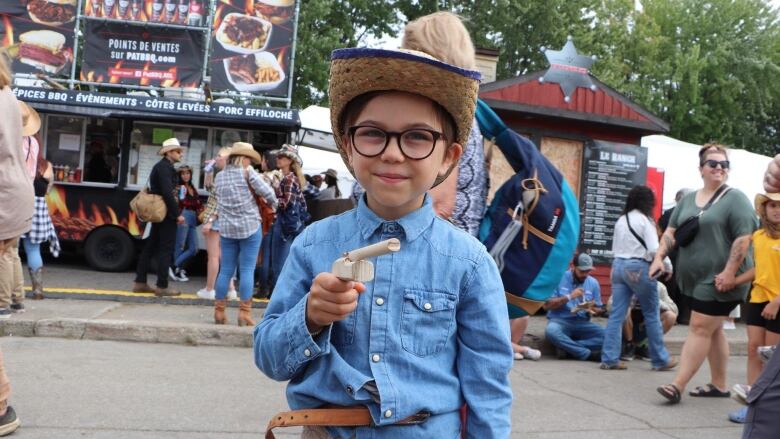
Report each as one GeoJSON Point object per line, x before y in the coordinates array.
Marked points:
{"type": "Point", "coordinates": [724, 164]}
{"type": "Point", "coordinates": [415, 144]}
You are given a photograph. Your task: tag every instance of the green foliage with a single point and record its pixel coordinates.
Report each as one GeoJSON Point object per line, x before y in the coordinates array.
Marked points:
{"type": "Point", "coordinates": [708, 67]}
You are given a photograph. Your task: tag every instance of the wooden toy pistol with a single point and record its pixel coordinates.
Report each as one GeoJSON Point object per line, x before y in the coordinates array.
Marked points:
{"type": "Point", "coordinates": [353, 265]}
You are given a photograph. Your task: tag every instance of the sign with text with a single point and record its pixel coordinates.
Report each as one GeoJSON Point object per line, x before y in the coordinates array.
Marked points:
{"type": "Point", "coordinates": [180, 12]}
{"type": "Point", "coordinates": [39, 35]}
{"type": "Point", "coordinates": [609, 171]}
{"type": "Point", "coordinates": [118, 53]}
{"type": "Point", "coordinates": [179, 107]}
{"type": "Point", "coordinates": [252, 46]}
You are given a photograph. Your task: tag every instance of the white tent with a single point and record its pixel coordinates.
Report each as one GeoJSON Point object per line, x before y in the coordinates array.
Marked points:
{"type": "Point", "coordinates": [318, 149]}
{"type": "Point", "coordinates": [680, 162]}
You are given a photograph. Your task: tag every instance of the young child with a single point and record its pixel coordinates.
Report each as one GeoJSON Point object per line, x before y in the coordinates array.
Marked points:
{"type": "Point", "coordinates": [763, 324]}
{"type": "Point", "coordinates": [430, 332]}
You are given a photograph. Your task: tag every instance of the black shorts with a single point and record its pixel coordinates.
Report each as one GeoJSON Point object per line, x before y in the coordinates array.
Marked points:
{"type": "Point", "coordinates": [713, 307]}
{"type": "Point", "coordinates": [753, 317]}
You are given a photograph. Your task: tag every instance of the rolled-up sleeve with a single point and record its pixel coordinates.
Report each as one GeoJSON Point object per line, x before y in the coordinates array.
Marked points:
{"type": "Point", "coordinates": [485, 352]}
{"type": "Point", "coordinates": [262, 188]}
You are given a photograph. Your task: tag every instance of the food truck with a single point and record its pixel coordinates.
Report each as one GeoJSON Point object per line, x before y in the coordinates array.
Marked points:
{"type": "Point", "coordinates": [103, 147]}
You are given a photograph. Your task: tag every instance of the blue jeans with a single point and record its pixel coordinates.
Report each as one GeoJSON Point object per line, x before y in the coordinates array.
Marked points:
{"type": "Point", "coordinates": [280, 248]}
{"type": "Point", "coordinates": [33, 252]}
{"type": "Point", "coordinates": [577, 337]}
{"type": "Point", "coordinates": [186, 233]}
{"type": "Point", "coordinates": [241, 253]}
{"type": "Point", "coordinates": [629, 278]}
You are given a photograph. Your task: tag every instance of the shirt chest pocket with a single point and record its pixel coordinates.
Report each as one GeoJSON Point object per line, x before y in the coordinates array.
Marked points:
{"type": "Point", "coordinates": [426, 321]}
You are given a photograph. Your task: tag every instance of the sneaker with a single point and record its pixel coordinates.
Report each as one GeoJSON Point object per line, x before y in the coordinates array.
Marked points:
{"type": "Point", "coordinates": [629, 351]}
{"type": "Point", "coordinates": [532, 354]}
{"type": "Point", "coordinates": [740, 393]}
{"type": "Point", "coordinates": [9, 422]}
{"type": "Point", "coordinates": [17, 307]}
{"type": "Point", "coordinates": [642, 353]}
{"type": "Point", "coordinates": [738, 416]}
{"type": "Point", "coordinates": [172, 274]}
{"type": "Point", "coordinates": [518, 356]}
{"type": "Point", "coordinates": [206, 294]}
{"type": "Point", "coordinates": [232, 295]}
{"type": "Point", "coordinates": [765, 353]}
{"type": "Point", "coordinates": [182, 275]}
{"type": "Point", "coordinates": [5, 313]}
{"type": "Point", "coordinates": [671, 364]}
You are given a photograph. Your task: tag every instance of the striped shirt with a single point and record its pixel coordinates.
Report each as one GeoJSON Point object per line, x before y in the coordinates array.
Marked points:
{"type": "Point", "coordinates": [238, 214]}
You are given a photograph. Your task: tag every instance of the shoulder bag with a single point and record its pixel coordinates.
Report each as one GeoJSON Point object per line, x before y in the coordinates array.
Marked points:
{"type": "Point", "coordinates": [636, 235]}
{"type": "Point", "coordinates": [148, 207]}
{"type": "Point", "coordinates": [686, 232]}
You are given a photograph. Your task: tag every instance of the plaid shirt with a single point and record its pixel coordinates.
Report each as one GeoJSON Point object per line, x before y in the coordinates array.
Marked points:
{"type": "Point", "coordinates": [42, 227]}
{"type": "Point", "coordinates": [236, 206]}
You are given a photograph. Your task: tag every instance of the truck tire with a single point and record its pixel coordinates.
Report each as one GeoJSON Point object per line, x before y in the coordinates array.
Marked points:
{"type": "Point", "coordinates": [109, 249]}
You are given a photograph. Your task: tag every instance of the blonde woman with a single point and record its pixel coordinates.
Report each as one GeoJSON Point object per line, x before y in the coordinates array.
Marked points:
{"type": "Point", "coordinates": [240, 227]}
{"type": "Point", "coordinates": [210, 229]}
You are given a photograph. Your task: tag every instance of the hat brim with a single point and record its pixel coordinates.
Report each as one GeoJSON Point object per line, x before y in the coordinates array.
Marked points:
{"type": "Point", "coordinates": [355, 72]}
{"type": "Point", "coordinates": [761, 199]}
{"type": "Point", "coordinates": [253, 155]}
{"type": "Point", "coordinates": [294, 157]}
{"type": "Point", "coordinates": [166, 149]}
{"type": "Point", "coordinates": [33, 124]}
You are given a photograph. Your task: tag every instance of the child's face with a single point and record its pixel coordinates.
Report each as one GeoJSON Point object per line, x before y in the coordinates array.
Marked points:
{"type": "Point", "coordinates": [395, 185]}
{"type": "Point", "coordinates": [772, 211]}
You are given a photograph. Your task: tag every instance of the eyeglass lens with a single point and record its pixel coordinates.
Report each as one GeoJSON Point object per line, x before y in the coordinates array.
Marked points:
{"type": "Point", "coordinates": [714, 163]}
{"type": "Point", "coordinates": [416, 144]}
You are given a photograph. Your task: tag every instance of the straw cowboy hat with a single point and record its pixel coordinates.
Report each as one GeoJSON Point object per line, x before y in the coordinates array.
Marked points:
{"type": "Point", "coordinates": [761, 200]}
{"type": "Point", "coordinates": [31, 121]}
{"type": "Point", "coordinates": [246, 150]}
{"type": "Point", "coordinates": [169, 145]}
{"type": "Point", "coordinates": [291, 152]}
{"type": "Point", "coordinates": [331, 173]}
{"type": "Point", "coordinates": [358, 71]}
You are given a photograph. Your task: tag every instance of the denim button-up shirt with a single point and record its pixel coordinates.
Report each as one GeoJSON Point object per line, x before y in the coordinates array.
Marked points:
{"type": "Point", "coordinates": [430, 332]}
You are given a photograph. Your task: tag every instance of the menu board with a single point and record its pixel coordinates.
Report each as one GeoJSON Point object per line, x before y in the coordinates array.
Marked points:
{"type": "Point", "coordinates": [181, 12]}
{"type": "Point", "coordinates": [120, 53]}
{"type": "Point", "coordinates": [39, 35]}
{"type": "Point", "coordinates": [252, 46]}
{"type": "Point", "coordinates": [609, 170]}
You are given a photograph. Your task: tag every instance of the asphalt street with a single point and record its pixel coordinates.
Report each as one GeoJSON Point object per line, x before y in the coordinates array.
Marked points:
{"type": "Point", "coordinates": [124, 390]}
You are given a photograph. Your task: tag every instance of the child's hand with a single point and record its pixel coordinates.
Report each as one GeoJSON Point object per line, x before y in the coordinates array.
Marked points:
{"type": "Point", "coordinates": [770, 310]}
{"type": "Point", "coordinates": [330, 300]}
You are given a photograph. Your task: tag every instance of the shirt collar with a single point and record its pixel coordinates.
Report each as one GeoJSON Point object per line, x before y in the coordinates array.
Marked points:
{"type": "Point", "coordinates": [413, 224]}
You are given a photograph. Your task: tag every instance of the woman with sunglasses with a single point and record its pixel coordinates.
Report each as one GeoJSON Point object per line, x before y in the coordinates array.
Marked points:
{"type": "Point", "coordinates": [706, 271]}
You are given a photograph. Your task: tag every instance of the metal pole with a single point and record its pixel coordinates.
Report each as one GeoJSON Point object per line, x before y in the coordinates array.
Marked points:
{"type": "Point", "coordinates": [207, 53]}
{"type": "Point", "coordinates": [76, 40]}
{"type": "Point", "coordinates": [292, 55]}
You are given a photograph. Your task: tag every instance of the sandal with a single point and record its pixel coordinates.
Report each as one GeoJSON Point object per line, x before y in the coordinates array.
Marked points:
{"type": "Point", "coordinates": [669, 365]}
{"type": "Point", "coordinates": [616, 366]}
{"type": "Point", "coordinates": [670, 392]}
{"type": "Point", "coordinates": [709, 391]}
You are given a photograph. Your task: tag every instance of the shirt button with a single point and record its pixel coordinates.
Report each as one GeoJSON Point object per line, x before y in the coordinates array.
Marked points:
{"type": "Point", "coordinates": [388, 413]}
{"type": "Point", "coordinates": [306, 353]}
{"type": "Point", "coordinates": [427, 306]}
{"type": "Point", "coordinates": [375, 358]}
{"type": "Point", "coordinates": [380, 301]}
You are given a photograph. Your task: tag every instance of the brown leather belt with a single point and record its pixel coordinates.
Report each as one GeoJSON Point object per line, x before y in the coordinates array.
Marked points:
{"type": "Point", "coordinates": [333, 417]}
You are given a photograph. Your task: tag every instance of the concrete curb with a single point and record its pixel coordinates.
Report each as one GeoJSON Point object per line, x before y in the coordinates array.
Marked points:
{"type": "Point", "coordinates": [120, 330]}
{"type": "Point", "coordinates": [128, 297]}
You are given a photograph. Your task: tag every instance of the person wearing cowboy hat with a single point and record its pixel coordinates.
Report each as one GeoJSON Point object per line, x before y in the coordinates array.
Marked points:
{"type": "Point", "coordinates": [16, 190]}
{"type": "Point", "coordinates": [435, 313]}
{"type": "Point", "coordinates": [331, 191]}
{"type": "Point", "coordinates": [163, 181]}
{"type": "Point", "coordinates": [240, 227]}
{"type": "Point", "coordinates": [761, 312]}
{"type": "Point", "coordinates": [31, 124]}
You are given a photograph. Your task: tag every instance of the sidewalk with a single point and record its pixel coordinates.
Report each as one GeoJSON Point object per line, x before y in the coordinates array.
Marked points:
{"type": "Point", "coordinates": [108, 311]}
{"type": "Point", "coordinates": [153, 320]}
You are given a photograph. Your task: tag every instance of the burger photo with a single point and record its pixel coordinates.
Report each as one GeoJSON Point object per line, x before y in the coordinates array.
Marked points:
{"type": "Point", "coordinates": [275, 11]}
{"type": "Point", "coordinates": [52, 12]}
{"type": "Point", "coordinates": [42, 49]}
